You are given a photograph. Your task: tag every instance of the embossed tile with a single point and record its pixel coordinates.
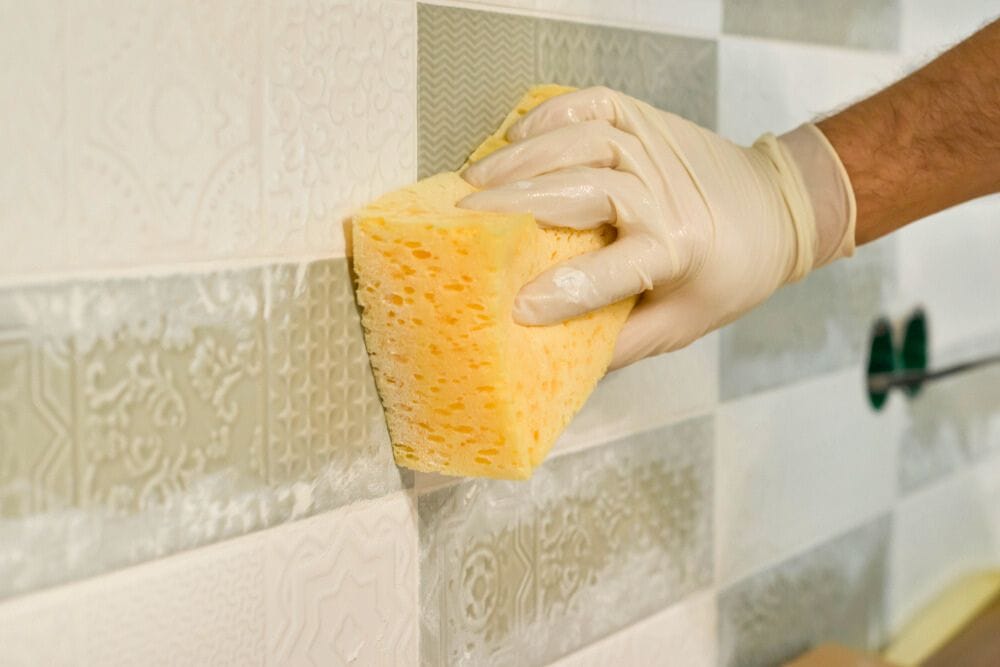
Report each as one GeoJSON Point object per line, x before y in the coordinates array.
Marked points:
{"type": "Point", "coordinates": [184, 131]}
{"type": "Point", "coordinates": [685, 632]}
{"type": "Point", "coordinates": [796, 466]}
{"type": "Point", "coordinates": [867, 24]}
{"type": "Point", "coordinates": [142, 416]}
{"type": "Point", "coordinates": [338, 588]}
{"type": "Point", "coordinates": [942, 532]}
{"type": "Point", "coordinates": [832, 593]}
{"type": "Point", "coordinates": [522, 573]}
{"type": "Point", "coordinates": [815, 326]}
{"type": "Point", "coordinates": [474, 66]}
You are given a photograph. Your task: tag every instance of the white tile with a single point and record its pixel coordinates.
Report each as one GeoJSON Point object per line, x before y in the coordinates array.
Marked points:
{"type": "Point", "coordinates": [686, 632]}
{"type": "Point", "coordinates": [336, 588]}
{"type": "Point", "coordinates": [948, 263]}
{"type": "Point", "coordinates": [701, 18]}
{"type": "Point", "coordinates": [647, 395]}
{"type": "Point", "coordinates": [770, 86]}
{"type": "Point", "coordinates": [796, 466]}
{"type": "Point", "coordinates": [941, 533]}
{"type": "Point", "coordinates": [930, 26]}
{"type": "Point", "coordinates": [176, 132]}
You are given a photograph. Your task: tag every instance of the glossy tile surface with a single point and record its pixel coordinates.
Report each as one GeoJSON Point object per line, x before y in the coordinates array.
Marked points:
{"type": "Point", "coordinates": [182, 131]}
{"type": "Point", "coordinates": [524, 572]}
{"type": "Point", "coordinates": [339, 588]}
{"type": "Point", "coordinates": [139, 417]}
{"type": "Point", "coordinates": [474, 66]}
{"type": "Point", "coordinates": [815, 326]}
{"type": "Point", "coordinates": [796, 466]}
{"type": "Point", "coordinates": [833, 592]}
{"type": "Point", "coordinates": [866, 24]}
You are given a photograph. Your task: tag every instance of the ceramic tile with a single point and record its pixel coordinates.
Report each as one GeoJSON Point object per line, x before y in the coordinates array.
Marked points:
{"type": "Point", "coordinates": [141, 416]}
{"type": "Point", "coordinates": [796, 466]}
{"type": "Point", "coordinates": [815, 326]}
{"type": "Point", "coordinates": [338, 588]}
{"type": "Point", "coordinates": [646, 396]}
{"type": "Point", "coordinates": [524, 572]}
{"type": "Point", "coordinates": [941, 533]}
{"type": "Point", "coordinates": [474, 66]}
{"type": "Point", "coordinates": [685, 632]}
{"type": "Point", "coordinates": [767, 86]}
{"type": "Point", "coordinates": [833, 592]}
{"type": "Point", "coordinates": [930, 26]}
{"type": "Point", "coordinates": [186, 131]}
{"type": "Point", "coordinates": [865, 24]}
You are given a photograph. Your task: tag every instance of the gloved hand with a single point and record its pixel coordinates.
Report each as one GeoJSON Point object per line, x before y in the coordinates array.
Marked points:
{"type": "Point", "coordinates": [706, 228]}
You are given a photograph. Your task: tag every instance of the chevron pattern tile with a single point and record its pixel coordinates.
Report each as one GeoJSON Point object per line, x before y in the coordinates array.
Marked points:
{"type": "Point", "coordinates": [142, 416]}
{"type": "Point", "coordinates": [474, 65]}
{"type": "Point", "coordinates": [522, 573]}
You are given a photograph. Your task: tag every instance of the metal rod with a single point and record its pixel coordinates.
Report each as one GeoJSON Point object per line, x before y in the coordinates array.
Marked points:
{"type": "Point", "coordinates": [883, 382]}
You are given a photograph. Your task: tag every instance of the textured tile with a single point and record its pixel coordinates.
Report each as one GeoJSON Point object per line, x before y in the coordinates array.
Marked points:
{"type": "Point", "coordinates": [832, 593]}
{"type": "Point", "coordinates": [522, 573]}
{"type": "Point", "coordinates": [647, 395]}
{"type": "Point", "coordinates": [767, 86]}
{"type": "Point", "coordinates": [141, 416]}
{"type": "Point", "coordinates": [685, 632]}
{"type": "Point", "coordinates": [796, 466]}
{"type": "Point", "coordinates": [473, 67]}
{"type": "Point", "coordinates": [866, 24]}
{"type": "Point", "coordinates": [184, 130]}
{"type": "Point", "coordinates": [940, 533]}
{"type": "Point", "coordinates": [338, 588]}
{"type": "Point", "coordinates": [342, 587]}
{"type": "Point", "coordinates": [815, 326]}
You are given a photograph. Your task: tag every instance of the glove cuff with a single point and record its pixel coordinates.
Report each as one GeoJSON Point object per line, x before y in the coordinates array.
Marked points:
{"type": "Point", "coordinates": [829, 191]}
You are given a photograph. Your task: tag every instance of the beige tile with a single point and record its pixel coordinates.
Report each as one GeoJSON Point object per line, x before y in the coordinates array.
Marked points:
{"type": "Point", "coordinates": [522, 573]}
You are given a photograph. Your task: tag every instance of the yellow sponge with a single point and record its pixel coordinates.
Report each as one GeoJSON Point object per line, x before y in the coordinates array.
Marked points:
{"type": "Point", "coordinates": [466, 390]}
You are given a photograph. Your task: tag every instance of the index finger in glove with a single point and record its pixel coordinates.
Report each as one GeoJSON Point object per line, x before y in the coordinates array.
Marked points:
{"type": "Point", "coordinates": [579, 106]}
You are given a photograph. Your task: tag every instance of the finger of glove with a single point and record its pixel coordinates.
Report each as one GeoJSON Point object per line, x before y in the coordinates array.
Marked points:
{"type": "Point", "coordinates": [578, 198]}
{"type": "Point", "coordinates": [579, 285]}
{"type": "Point", "coordinates": [579, 106]}
{"type": "Point", "coordinates": [658, 326]}
{"type": "Point", "coordinates": [592, 144]}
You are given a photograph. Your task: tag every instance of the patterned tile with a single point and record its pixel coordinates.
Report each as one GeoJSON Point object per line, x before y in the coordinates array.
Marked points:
{"type": "Point", "coordinates": [796, 466]}
{"type": "Point", "coordinates": [143, 416]}
{"type": "Point", "coordinates": [473, 67]}
{"type": "Point", "coordinates": [832, 593]}
{"type": "Point", "coordinates": [187, 130]}
{"type": "Point", "coordinates": [818, 325]}
{"type": "Point", "coordinates": [522, 573]}
{"type": "Point", "coordinates": [338, 588]}
{"type": "Point", "coordinates": [866, 24]}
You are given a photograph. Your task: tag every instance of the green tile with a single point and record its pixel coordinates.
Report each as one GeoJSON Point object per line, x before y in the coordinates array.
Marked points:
{"type": "Point", "coordinates": [866, 24]}
{"type": "Point", "coordinates": [834, 592]}
{"type": "Point", "coordinates": [139, 417]}
{"type": "Point", "coordinates": [523, 572]}
{"type": "Point", "coordinates": [473, 66]}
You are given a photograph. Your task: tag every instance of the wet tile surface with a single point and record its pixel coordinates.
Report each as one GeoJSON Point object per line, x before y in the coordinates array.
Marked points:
{"type": "Point", "coordinates": [834, 592]}
{"type": "Point", "coordinates": [867, 24]}
{"type": "Point", "coordinates": [474, 66]}
{"type": "Point", "coordinates": [524, 572]}
{"type": "Point", "coordinates": [143, 416]}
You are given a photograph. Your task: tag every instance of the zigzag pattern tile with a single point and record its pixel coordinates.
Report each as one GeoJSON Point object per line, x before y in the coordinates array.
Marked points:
{"type": "Point", "coordinates": [338, 588]}
{"type": "Point", "coordinates": [143, 416]}
{"type": "Point", "coordinates": [474, 65]}
{"type": "Point", "coordinates": [522, 573]}
{"type": "Point", "coordinates": [833, 593]}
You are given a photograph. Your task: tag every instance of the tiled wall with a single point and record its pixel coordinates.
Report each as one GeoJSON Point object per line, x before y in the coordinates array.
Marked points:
{"type": "Point", "coordinates": [194, 468]}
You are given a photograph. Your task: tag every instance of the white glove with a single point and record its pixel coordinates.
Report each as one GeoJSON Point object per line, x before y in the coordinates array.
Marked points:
{"type": "Point", "coordinates": [706, 228]}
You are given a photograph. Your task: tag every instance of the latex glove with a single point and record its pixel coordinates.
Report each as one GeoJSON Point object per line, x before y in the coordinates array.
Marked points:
{"type": "Point", "coordinates": [706, 228]}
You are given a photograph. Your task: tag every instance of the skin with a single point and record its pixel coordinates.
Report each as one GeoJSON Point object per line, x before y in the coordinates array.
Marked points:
{"type": "Point", "coordinates": [928, 142]}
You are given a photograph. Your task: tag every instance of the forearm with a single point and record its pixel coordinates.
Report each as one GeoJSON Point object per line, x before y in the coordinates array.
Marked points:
{"type": "Point", "coordinates": [928, 142]}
